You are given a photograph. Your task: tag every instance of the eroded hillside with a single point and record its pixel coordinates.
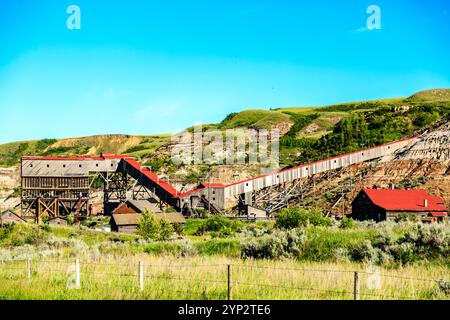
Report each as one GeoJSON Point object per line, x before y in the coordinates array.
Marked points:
{"type": "Point", "coordinates": [307, 134]}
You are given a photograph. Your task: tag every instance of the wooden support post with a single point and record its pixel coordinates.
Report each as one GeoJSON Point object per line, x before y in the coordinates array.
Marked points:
{"type": "Point", "coordinates": [29, 269]}
{"type": "Point", "coordinates": [229, 282]}
{"type": "Point", "coordinates": [141, 275]}
{"type": "Point", "coordinates": [77, 274]}
{"type": "Point", "coordinates": [356, 286]}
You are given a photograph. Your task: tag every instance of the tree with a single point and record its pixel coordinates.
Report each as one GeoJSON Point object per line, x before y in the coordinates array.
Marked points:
{"type": "Point", "coordinates": [148, 226]}
{"type": "Point", "coordinates": [166, 229]}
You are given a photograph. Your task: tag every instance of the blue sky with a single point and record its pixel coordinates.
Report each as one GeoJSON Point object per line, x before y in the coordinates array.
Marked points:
{"type": "Point", "coordinates": [143, 67]}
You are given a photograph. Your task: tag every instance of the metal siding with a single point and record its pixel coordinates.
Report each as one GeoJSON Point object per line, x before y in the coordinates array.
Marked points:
{"type": "Point", "coordinates": [311, 169]}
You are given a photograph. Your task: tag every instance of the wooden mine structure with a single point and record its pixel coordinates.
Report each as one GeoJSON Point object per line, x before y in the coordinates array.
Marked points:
{"type": "Point", "coordinates": [61, 186]}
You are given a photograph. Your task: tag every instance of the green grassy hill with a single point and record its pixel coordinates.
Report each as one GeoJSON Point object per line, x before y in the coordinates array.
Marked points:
{"type": "Point", "coordinates": [431, 95]}
{"type": "Point", "coordinates": [309, 133]}
{"type": "Point", "coordinates": [137, 146]}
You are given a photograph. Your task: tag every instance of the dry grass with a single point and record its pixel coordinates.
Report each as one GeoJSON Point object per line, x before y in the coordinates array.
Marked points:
{"type": "Point", "coordinates": [206, 278]}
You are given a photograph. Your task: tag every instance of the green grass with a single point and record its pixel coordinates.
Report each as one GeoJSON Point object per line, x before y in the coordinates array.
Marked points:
{"type": "Point", "coordinates": [192, 226]}
{"type": "Point", "coordinates": [262, 119]}
{"type": "Point", "coordinates": [322, 242]}
{"type": "Point", "coordinates": [136, 146]}
{"type": "Point", "coordinates": [431, 95]}
{"type": "Point", "coordinates": [172, 278]}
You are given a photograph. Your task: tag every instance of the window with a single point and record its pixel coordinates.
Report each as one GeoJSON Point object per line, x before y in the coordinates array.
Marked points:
{"type": "Point", "coordinates": [214, 199]}
{"type": "Point", "coordinates": [214, 192]}
{"type": "Point", "coordinates": [10, 214]}
{"type": "Point", "coordinates": [96, 164]}
{"type": "Point", "coordinates": [48, 166]}
{"type": "Point", "coordinates": [112, 164]}
{"type": "Point", "coordinates": [79, 165]}
{"type": "Point", "coordinates": [246, 184]}
{"type": "Point", "coordinates": [64, 165]}
{"type": "Point", "coordinates": [362, 153]}
{"type": "Point", "coordinates": [31, 165]}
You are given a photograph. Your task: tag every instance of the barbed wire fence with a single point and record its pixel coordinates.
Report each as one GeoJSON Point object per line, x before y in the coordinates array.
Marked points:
{"type": "Point", "coordinates": [227, 282]}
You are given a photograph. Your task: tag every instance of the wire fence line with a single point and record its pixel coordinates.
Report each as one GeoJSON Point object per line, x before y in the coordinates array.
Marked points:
{"type": "Point", "coordinates": [230, 283]}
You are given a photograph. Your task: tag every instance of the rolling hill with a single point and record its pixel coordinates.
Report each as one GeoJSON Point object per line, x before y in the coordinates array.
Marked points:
{"type": "Point", "coordinates": [308, 133]}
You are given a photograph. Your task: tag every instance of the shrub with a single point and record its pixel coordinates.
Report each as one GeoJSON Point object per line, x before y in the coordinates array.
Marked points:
{"type": "Point", "coordinates": [347, 223]}
{"type": "Point", "coordinates": [279, 244]}
{"type": "Point", "coordinates": [406, 217]}
{"type": "Point", "coordinates": [219, 226]}
{"type": "Point", "coordinates": [70, 220]}
{"type": "Point", "coordinates": [367, 253]}
{"type": "Point", "coordinates": [24, 234]}
{"type": "Point", "coordinates": [444, 287]}
{"type": "Point", "coordinates": [148, 226]}
{"type": "Point", "coordinates": [423, 242]}
{"type": "Point", "coordinates": [166, 229]}
{"type": "Point", "coordinates": [178, 228]}
{"type": "Point", "coordinates": [298, 217]}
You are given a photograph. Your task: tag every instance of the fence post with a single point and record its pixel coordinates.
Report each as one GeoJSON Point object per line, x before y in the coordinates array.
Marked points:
{"type": "Point", "coordinates": [141, 276]}
{"type": "Point", "coordinates": [356, 286]}
{"type": "Point", "coordinates": [229, 282]}
{"type": "Point", "coordinates": [28, 268]}
{"type": "Point", "coordinates": [77, 274]}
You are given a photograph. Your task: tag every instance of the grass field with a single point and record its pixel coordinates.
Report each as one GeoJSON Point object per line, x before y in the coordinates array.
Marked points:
{"type": "Point", "coordinates": [168, 277]}
{"type": "Point", "coordinates": [196, 267]}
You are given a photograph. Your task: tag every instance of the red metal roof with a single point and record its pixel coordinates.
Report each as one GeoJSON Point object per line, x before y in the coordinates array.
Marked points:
{"type": "Point", "coordinates": [212, 185]}
{"type": "Point", "coordinates": [405, 200]}
{"type": "Point", "coordinates": [68, 158]}
{"type": "Point", "coordinates": [319, 161]}
{"type": "Point", "coordinates": [146, 172]}
{"type": "Point", "coordinates": [180, 195]}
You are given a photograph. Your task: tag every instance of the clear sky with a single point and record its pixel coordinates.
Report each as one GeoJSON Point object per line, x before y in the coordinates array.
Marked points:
{"type": "Point", "coordinates": [143, 67]}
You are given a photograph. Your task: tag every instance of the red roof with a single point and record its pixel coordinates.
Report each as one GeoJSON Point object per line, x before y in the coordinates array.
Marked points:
{"type": "Point", "coordinates": [212, 185]}
{"type": "Point", "coordinates": [321, 161]}
{"type": "Point", "coordinates": [153, 177]}
{"type": "Point", "coordinates": [405, 200]}
{"type": "Point", "coordinates": [68, 158]}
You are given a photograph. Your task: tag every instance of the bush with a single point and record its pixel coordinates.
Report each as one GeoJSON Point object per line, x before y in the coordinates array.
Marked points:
{"type": "Point", "coordinates": [347, 223]}
{"type": "Point", "coordinates": [148, 226]}
{"type": "Point", "coordinates": [23, 234]}
{"type": "Point", "coordinates": [444, 287]}
{"type": "Point", "coordinates": [367, 253]}
{"type": "Point", "coordinates": [166, 229]}
{"type": "Point", "coordinates": [151, 228]}
{"type": "Point", "coordinates": [178, 228]}
{"type": "Point", "coordinates": [219, 226]}
{"type": "Point", "coordinates": [70, 220]}
{"type": "Point", "coordinates": [279, 244]}
{"type": "Point", "coordinates": [406, 217]}
{"type": "Point", "coordinates": [423, 242]}
{"type": "Point", "coordinates": [298, 217]}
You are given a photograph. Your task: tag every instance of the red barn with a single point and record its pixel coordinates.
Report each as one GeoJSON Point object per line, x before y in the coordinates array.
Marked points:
{"type": "Point", "coordinates": [389, 204]}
